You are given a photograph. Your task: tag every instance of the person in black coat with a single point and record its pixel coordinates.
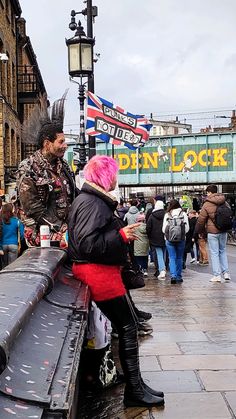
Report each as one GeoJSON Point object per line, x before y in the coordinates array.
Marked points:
{"type": "Point", "coordinates": [98, 247]}
{"type": "Point", "coordinates": [156, 236]}
{"type": "Point", "coordinates": [189, 242]}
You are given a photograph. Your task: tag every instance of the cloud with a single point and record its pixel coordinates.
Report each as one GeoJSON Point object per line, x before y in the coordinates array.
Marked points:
{"type": "Point", "coordinates": [156, 55]}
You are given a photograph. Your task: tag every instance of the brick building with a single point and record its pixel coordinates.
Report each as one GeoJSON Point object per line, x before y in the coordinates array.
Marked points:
{"type": "Point", "coordinates": [20, 84]}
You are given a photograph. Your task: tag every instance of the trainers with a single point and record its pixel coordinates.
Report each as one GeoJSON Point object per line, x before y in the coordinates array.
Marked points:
{"type": "Point", "coordinates": [162, 275]}
{"type": "Point", "coordinates": [173, 280]}
{"type": "Point", "coordinates": [143, 315]}
{"type": "Point", "coordinates": [192, 260]}
{"type": "Point", "coordinates": [226, 276]}
{"type": "Point", "coordinates": [216, 278]}
{"type": "Point", "coordinates": [144, 329]}
{"type": "Point", "coordinates": [145, 272]}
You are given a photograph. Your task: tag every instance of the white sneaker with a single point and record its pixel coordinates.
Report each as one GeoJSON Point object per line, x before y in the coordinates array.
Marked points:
{"type": "Point", "coordinates": [216, 279]}
{"type": "Point", "coordinates": [226, 276]}
{"type": "Point", "coordinates": [162, 275]}
{"type": "Point", "coordinates": [145, 272]}
{"type": "Point", "coordinates": [192, 260]}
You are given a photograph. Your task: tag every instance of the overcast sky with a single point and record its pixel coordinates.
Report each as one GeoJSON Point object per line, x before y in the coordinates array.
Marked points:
{"type": "Point", "coordinates": [158, 56]}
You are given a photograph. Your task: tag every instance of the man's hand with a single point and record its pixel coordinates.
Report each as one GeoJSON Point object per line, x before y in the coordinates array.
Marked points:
{"type": "Point", "coordinates": [130, 231]}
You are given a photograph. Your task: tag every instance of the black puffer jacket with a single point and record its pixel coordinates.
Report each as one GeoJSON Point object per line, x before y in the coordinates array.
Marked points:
{"type": "Point", "coordinates": [94, 229]}
{"type": "Point", "coordinates": [154, 228]}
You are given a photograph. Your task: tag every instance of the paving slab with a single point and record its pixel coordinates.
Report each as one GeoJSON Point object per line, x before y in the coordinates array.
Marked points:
{"type": "Point", "coordinates": [173, 381]}
{"type": "Point", "coordinates": [205, 327]}
{"type": "Point", "coordinates": [222, 336]}
{"type": "Point", "coordinates": [200, 362]}
{"type": "Point", "coordinates": [167, 327]}
{"type": "Point", "coordinates": [153, 348]}
{"type": "Point", "coordinates": [204, 348]}
{"type": "Point", "coordinates": [149, 363]}
{"type": "Point", "coordinates": [231, 399]}
{"type": "Point", "coordinates": [189, 406]}
{"type": "Point", "coordinates": [218, 380]}
{"type": "Point", "coordinates": [178, 336]}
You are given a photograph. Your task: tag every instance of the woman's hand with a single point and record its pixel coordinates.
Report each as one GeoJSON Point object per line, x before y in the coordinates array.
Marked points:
{"type": "Point", "coordinates": [129, 231]}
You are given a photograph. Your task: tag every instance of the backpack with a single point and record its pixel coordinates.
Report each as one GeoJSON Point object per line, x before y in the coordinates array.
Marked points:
{"type": "Point", "coordinates": [223, 219]}
{"type": "Point", "coordinates": [175, 229]}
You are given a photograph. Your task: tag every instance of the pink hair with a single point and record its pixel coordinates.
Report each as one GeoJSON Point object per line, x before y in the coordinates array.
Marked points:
{"type": "Point", "coordinates": [102, 171]}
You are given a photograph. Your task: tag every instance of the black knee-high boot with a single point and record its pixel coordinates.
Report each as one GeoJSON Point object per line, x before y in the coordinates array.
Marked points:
{"type": "Point", "coordinates": [119, 311]}
{"type": "Point", "coordinates": [149, 389]}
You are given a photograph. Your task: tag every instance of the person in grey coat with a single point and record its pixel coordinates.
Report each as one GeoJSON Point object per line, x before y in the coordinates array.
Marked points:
{"type": "Point", "coordinates": [141, 244]}
{"type": "Point", "coordinates": [131, 215]}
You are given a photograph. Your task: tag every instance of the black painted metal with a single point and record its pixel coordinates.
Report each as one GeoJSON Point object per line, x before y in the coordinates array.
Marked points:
{"type": "Point", "coordinates": [41, 377]}
{"type": "Point", "coordinates": [17, 409]}
{"type": "Point", "coordinates": [22, 284]}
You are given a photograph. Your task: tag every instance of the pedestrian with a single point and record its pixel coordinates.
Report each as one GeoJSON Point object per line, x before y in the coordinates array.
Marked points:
{"type": "Point", "coordinates": [12, 234]}
{"type": "Point", "coordinates": [131, 215]}
{"type": "Point", "coordinates": [45, 183]}
{"type": "Point", "coordinates": [141, 245]}
{"type": "Point", "coordinates": [189, 241]}
{"type": "Point", "coordinates": [216, 238]}
{"type": "Point", "coordinates": [202, 243]}
{"type": "Point", "coordinates": [175, 227]}
{"type": "Point", "coordinates": [156, 236]}
{"type": "Point", "coordinates": [121, 209]}
{"type": "Point", "coordinates": [153, 254]}
{"type": "Point", "coordinates": [98, 248]}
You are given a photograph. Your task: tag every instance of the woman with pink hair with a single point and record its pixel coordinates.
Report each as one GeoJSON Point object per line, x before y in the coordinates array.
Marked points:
{"type": "Point", "coordinates": [98, 247]}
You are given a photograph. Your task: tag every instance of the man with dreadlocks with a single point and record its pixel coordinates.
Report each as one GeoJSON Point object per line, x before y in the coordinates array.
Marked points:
{"type": "Point", "coordinates": [45, 183]}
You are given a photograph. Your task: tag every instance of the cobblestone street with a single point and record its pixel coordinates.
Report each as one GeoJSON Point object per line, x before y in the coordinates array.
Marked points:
{"type": "Point", "coordinates": [190, 355]}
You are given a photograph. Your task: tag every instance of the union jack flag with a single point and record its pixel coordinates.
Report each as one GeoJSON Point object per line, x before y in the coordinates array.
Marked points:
{"type": "Point", "coordinates": [112, 124]}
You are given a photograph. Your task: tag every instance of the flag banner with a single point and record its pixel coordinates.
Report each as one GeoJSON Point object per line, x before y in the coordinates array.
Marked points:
{"type": "Point", "coordinates": [112, 124]}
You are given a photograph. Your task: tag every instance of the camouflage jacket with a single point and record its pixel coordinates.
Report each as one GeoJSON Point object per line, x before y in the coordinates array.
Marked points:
{"type": "Point", "coordinates": [45, 191]}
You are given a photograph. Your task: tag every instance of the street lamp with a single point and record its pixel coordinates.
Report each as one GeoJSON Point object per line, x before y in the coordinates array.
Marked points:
{"type": "Point", "coordinates": [80, 63]}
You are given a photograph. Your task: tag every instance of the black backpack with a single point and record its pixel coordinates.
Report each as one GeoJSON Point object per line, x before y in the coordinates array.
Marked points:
{"type": "Point", "coordinates": [223, 217]}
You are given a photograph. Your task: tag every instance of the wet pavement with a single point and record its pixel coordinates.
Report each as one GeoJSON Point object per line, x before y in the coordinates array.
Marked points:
{"type": "Point", "coordinates": [190, 355]}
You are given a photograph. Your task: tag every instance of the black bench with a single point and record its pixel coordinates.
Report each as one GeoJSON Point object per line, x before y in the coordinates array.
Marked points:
{"type": "Point", "coordinates": [43, 316]}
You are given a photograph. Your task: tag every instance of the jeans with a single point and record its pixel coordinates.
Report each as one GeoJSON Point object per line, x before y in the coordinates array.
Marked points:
{"type": "Point", "coordinates": [10, 254]}
{"type": "Point", "coordinates": [217, 248]}
{"type": "Point", "coordinates": [176, 253]}
{"type": "Point", "coordinates": [142, 261]}
{"type": "Point", "coordinates": [160, 257]}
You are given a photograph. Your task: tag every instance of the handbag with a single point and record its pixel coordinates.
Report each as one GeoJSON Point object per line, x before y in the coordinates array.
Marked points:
{"type": "Point", "coordinates": [132, 277]}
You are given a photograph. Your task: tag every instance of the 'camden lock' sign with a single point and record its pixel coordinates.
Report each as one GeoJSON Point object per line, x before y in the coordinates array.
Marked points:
{"type": "Point", "coordinates": [178, 158]}
{"type": "Point", "coordinates": [188, 159]}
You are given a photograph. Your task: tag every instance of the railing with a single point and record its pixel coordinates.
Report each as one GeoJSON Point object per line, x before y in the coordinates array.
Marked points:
{"type": "Point", "coordinates": [28, 81]}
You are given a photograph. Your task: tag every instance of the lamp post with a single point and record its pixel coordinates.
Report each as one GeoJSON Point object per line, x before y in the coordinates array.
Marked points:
{"type": "Point", "coordinates": [80, 62]}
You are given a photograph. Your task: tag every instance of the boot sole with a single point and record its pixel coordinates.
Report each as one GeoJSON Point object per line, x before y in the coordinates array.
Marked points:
{"type": "Point", "coordinates": [133, 403]}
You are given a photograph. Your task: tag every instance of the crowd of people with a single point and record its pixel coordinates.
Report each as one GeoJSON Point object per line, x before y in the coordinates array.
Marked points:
{"type": "Point", "coordinates": [152, 245]}
{"type": "Point", "coordinates": [103, 236]}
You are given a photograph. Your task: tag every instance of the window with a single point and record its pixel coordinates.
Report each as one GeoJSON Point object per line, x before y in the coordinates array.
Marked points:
{"type": "Point", "coordinates": [13, 149]}
{"type": "Point", "coordinates": [7, 146]}
{"type": "Point", "coordinates": [13, 89]}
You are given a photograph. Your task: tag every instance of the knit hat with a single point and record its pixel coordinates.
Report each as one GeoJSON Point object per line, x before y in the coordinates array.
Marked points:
{"type": "Point", "coordinates": [159, 198]}
{"type": "Point", "coordinates": [140, 217]}
{"type": "Point", "coordinates": [159, 205]}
